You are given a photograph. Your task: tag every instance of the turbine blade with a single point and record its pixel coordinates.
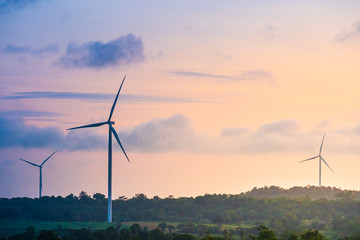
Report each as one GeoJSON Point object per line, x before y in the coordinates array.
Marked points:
{"type": "Point", "coordinates": [48, 158]}
{"type": "Point", "coordinates": [326, 164]}
{"type": "Point", "coordinates": [29, 162]}
{"type": "Point", "coordinates": [118, 140]}
{"type": "Point", "coordinates": [89, 126]}
{"type": "Point", "coordinates": [308, 159]}
{"type": "Point", "coordinates": [117, 95]}
{"type": "Point", "coordinates": [322, 144]}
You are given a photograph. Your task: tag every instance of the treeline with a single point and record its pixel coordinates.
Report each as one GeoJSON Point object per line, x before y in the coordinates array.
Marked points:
{"type": "Point", "coordinates": [341, 214]}
{"type": "Point", "coordinates": [312, 192]}
{"type": "Point", "coordinates": [136, 232]}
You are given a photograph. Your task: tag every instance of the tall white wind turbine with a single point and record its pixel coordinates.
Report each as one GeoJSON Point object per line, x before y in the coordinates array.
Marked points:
{"type": "Point", "coordinates": [111, 132]}
{"type": "Point", "coordinates": [40, 168]}
{"type": "Point", "coordinates": [320, 160]}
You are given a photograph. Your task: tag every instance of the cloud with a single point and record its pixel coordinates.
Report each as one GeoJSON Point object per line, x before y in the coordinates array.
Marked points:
{"type": "Point", "coordinates": [16, 4]}
{"type": "Point", "coordinates": [353, 33]}
{"type": "Point", "coordinates": [12, 49]}
{"type": "Point", "coordinates": [131, 98]}
{"type": "Point", "coordinates": [177, 134]}
{"type": "Point", "coordinates": [119, 52]}
{"type": "Point", "coordinates": [28, 113]}
{"type": "Point", "coordinates": [16, 49]}
{"type": "Point", "coordinates": [14, 132]}
{"type": "Point", "coordinates": [231, 132]}
{"type": "Point", "coordinates": [285, 128]}
{"type": "Point", "coordinates": [269, 31]}
{"type": "Point", "coordinates": [255, 75]}
{"type": "Point", "coordinates": [52, 48]}
{"type": "Point", "coordinates": [171, 134]}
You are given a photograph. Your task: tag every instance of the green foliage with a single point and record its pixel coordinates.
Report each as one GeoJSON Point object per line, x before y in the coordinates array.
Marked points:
{"type": "Point", "coordinates": [47, 235]}
{"type": "Point", "coordinates": [29, 234]}
{"type": "Point", "coordinates": [339, 211]}
{"type": "Point", "coordinates": [266, 233]}
{"type": "Point", "coordinates": [312, 235]}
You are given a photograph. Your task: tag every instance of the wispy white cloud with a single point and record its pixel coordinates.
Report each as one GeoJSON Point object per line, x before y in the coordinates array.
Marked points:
{"type": "Point", "coordinates": [131, 98]}
{"type": "Point", "coordinates": [13, 49]}
{"type": "Point", "coordinates": [254, 75]}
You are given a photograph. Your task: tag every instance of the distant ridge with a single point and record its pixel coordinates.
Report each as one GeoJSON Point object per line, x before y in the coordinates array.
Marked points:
{"type": "Point", "coordinates": [312, 192]}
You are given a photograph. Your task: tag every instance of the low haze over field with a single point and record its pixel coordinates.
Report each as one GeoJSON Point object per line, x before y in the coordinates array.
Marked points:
{"type": "Point", "coordinates": [220, 96]}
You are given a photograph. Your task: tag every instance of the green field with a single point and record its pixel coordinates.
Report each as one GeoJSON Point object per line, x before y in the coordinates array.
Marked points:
{"type": "Point", "coordinates": [12, 227]}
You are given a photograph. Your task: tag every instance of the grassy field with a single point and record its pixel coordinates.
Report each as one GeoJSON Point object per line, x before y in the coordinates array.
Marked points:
{"type": "Point", "coordinates": [12, 227]}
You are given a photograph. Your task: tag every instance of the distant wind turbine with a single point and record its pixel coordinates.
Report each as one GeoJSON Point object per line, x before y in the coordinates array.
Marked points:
{"type": "Point", "coordinates": [111, 131]}
{"type": "Point", "coordinates": [40, 168]}
{"type": "Point", "coordinates": [320, 159]}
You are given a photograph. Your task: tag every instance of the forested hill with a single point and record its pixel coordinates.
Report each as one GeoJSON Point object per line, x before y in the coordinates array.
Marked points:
{"type": "Point", "coordinates": [311, 192]}
{"type": "Point", "coordinates": [340, 212]}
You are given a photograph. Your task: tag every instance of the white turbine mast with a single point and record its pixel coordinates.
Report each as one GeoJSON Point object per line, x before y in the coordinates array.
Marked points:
{"type": "Point", "coordinates": [111, 132]}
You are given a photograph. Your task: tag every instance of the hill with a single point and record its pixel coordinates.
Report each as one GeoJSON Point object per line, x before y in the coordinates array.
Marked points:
{"type": "Point", "coordinates": [296, 208]}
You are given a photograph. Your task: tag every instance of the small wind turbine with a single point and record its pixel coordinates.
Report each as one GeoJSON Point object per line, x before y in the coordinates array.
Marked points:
{"type": "Point", "coordinates": [111, 131]}
{"type": "Point", "coordinates": [320, 159]}
{"type": "Point", "coordinates": [40, 168]}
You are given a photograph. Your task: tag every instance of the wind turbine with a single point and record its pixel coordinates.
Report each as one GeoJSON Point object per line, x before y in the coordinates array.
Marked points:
{"type": "Point", "coordinates": [111, 131]}
{"type": "Point", "coordinates": [320, 159]}
{"type": "Point", "coordinates": [40, 168]}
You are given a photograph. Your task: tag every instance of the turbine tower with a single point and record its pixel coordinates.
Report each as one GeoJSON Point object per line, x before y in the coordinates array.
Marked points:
{"type": "Point", "coordinates": [111, 132]}
{"type": "Point", "coordinates": [320, 159]}
{"type": "Point", "coordinates": [40, 168]}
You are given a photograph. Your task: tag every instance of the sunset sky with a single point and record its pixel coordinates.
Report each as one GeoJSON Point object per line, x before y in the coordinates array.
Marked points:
{"type": "Point", "coordinates": [219, 96]}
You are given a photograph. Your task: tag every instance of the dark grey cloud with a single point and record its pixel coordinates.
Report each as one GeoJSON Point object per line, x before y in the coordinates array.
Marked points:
{"type": "Point", "coordinates": [119, 52]}
{"type": "Point", "coordinates": [255, 75]}
{"type": "Point", "coordinates": [132, 98]}
{"type": "Point", "coordinates": [352, 33]}
{"type": "Point", "coordinates": [14, 132]}
{"type": "Point", "coordinates": [12, 49]}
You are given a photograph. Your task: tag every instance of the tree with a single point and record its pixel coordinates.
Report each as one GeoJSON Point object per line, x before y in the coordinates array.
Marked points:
{"type": "Point", "coordinates": [266, 233]}
{"type": "Point", "coordinates": [47, 235]}
{"type": "Point", "coordinates": [162, 226]}
{"type": "Point", "coordinates": [227, 235]}
{"type": "Point", "coordinates": [312, 235]}
{"type": "Point", "coordinates": [156, 234]}
{"type": "Point", "coordinates": [184, 237]}
{"type": "Point", "coordinates": [170, 228]}
{"type": "Point", "coordinates": [83, 196]}
{"type": "Point", "coordinates": [28, 235]}
{"type": "Point", "coordinates": [98, 197]}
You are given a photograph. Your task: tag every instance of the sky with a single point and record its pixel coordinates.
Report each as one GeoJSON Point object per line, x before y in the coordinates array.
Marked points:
{"type": "Point", "coordinates": [219, 97]}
